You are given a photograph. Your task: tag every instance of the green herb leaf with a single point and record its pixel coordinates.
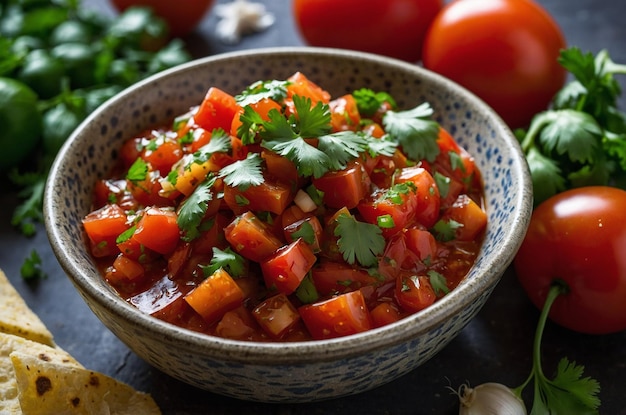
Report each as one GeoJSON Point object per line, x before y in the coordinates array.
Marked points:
{"type": "Point", "coordinates": [275, 90]}
{"type": "Point", "coordinates": [31, 267]}
{"type": "Point", "coordinates": [193, 208]}
{"type": "Point", "coordinates": [229, 260]}
{"type": "Point", "coordinates": [309, 160]}
{"type": "Point", "coordinates": [414, 131]}
{"type": "Point", "coordinates": [342, 147]}
{"type": "Point", "coordinates": [438, 282]}
{"type": "Point", "coordinates": [369, 102]}
{"type": "Point", "coordinates": [305, 232]}
{"type": "Point", "coordinates": [445, 230]}
{"type": "Point", "coordinates": [573, 133]}
{"type": "Point", "coordinates": [244, 173]}
{"type": "Point", "coordinates": [138, 171]}
{"type": "Point", "coordinates": [359, 241]}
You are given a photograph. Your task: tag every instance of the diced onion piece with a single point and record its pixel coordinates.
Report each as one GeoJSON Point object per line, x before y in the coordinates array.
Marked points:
{"type": "Point", "coordinates": [304, 201]}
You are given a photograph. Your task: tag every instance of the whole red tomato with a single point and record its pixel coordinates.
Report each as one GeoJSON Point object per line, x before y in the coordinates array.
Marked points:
{"type": "Point", "coordinates": [181, 18]}
{"type": "Point", "coordinates": [579, 237]}
{"type": "Point", "coordinates": [393, 28]}
{"type": "Point", "coordinates": [505, 51]}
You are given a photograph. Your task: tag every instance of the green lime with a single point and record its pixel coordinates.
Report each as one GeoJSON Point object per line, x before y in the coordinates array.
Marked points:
{"type": "Point", "coordinates": [21, 122]}
{"type": "Point", "coordinates": [43, 73]}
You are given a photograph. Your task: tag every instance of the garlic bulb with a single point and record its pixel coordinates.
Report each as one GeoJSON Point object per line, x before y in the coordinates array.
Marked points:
{"type": "Point", "coordinates": [489, 399]}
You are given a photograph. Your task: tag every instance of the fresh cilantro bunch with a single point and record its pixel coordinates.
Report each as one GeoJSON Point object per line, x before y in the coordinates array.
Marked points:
{"type": "Point", "coordinates": [581, 140]}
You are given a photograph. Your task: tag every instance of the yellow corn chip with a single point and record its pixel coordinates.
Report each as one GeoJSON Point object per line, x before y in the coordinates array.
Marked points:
{"type": "Point", "coordinates": [9, 402]}
{"type": "Point", "coordinates": [53, 388]}
{"type": "Point", "coordinates": [17, 318]}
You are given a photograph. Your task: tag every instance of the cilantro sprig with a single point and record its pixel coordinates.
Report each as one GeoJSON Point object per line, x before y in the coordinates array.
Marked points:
{"type": "Point", "coordinates": [581, 140]}
{"type": "Point", "coordinates": [359, 242]}
{"type": "Point", "coordinates": [568, 392]}
{"type": "Point", "coordinates": [193, 209]}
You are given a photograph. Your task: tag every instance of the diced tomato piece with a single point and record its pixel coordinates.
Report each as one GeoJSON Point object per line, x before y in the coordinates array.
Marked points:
{"type": "Point", "coordinates": [428, 198]}
{"type": "Point", "coordinates": [397, 256]}
{"type": "Point", "coordinates": [130, 151]}
{"type": "Point", "coordinates": [158, 230]}
{"type": "Point", "coordinates": [213, 235]}
{"type": "Point", "coordinates": [288, 266]}
{"type": "Point", "coordinates": [236, 324]}
{"type": "Point", "coordinates": [414, 292]}
{"type": "Point", "coordinates": [126, 269]}
{"type": "Point", "coordinates": [392, 212]}
{"type": "Point", "coordinates": [147, 192]}
{"type": "Point", "coordinates": [472, 218]}
{"type": "Point", "coordinates": [344, 114]}
{"type": "Point", "coordinates": [251, 237]}
{"type": "Point", "coordinates": [280, 167]}
{"type": "Point", "coordinates": [162, 153]}
{"type": "Point", "coordinates": [344, 188]}
{"type": "Point", "coordinates": [269, 196]}
{"type": "Point", "coordinates": [374, 129]}
{"type": "Point", "coordinates": [103, 226]}
{"type": "Point", "coordinates": [276, 315]}
{"type": "Point", "coordinates": [300, 85]}
{"type": "Point", "coordinates": [109, 191]}
{"type": "Point", "coordinates": [332, 277]}
{"type": "Point", "coordinates": [216, 110]}
{"type": "Point", "coordinates": [421, 242]}
{"type": "Point", "coordinates": [215, 296]}
{"type": "Point", "coordinates": [454, 158]}
{"type": "Point", "coordinates": [338, 316]}
{"type": "Point", "coordinates": [384, 314]}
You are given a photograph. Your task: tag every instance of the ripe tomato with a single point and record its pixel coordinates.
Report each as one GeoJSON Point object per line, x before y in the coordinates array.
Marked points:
{"type": "Point", "coordinates": [579, 237]}
{"type": "Point", "coordinates": [505, 51]}
{"type": "Point", "coordinates": [181, 20]}
{"type": "Point", "coordinates": [393, 28]}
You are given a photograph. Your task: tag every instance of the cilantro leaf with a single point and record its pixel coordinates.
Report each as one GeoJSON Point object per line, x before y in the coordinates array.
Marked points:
{"type": "Point", "coordinates": [219, 143]}
{"type": "Point", "coordinates": [545, 174]}
{"type": "Point", "coordinates": [31, 267]}
{"type": "Point", "coordinates": [244, 173]}
{"type": "Point", "coordinates": [251, 124]}
{"type": "Point", "coordinates": [138, 171]}
{"type": "Point", "coordinates": [413, 131]}
{"type": "Point", "coordinates": [571, 132]}
{"type": "Point", "coordinates": [229, 260]}
{"type": "Point", "coordinates": [359, 241]}
{"type": "Point", "coordinates": [342, 147]}
{"type": "Point", "coordinates": [313, 121]}
{"type": "Point", "coordinates": [445, 230]}
{"type": "Point", "coordinates": [274, 90]}
{"type": "Point", "coordinates": [369, 102]}
{"type": "Point", "coordinates": [309, 160]}
{"type": "Point", "coordinates": [382, 146]}
{"type": "Point", "coordinates": [439, 282]}
{"type": "Point", "coordinates": [306, 232]}
{"type": "Point", "coordinates": [193, 208]}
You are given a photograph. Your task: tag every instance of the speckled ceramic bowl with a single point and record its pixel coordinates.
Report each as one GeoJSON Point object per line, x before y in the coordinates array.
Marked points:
{"type": "Point", "coordinates": [304, 371]}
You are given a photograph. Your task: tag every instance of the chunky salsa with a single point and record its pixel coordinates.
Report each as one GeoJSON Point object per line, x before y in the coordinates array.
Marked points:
{"type": "Point", "coordinates": [284, 214]}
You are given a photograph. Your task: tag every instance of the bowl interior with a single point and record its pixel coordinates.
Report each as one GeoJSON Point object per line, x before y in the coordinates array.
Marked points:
{"type": "Point", "coordinates": [88, 154]}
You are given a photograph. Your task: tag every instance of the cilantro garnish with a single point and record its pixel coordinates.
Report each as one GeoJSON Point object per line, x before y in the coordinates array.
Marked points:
{"type": "Point", "coordinates": [306, 291]}
{"type": "Point", "coordinates": [414, 131]}
{"type": "Point", "coordinates": [369, 102]}
{"type": "Point", "coordinates": [581, 140]}
{"type": "Point", "coordinates": [306, 232]}
{"type": "Point", "coordinates": [126, 235]}
{"type": "Point", "coordinates": [138, 171]}
{"type": "Point", "coordinates": [243, 173]}
{"type": "Point", "coordinates": [219, 143]}
{"type": "Point", "coordinates": [229, 260]}
{"type": "Point", "coordinates": [395, 192]}
{"type": "Point", "coordinates": [193, 208]}
{"type": "Point", "coordinates": [31, 267]}
{"type": "Point", "coordinates": [438, 282]}
{"type": "Point", "coordinates": [359, 241]}
{"type": "Point", "coordinates": [445, 230]}
{"type": "Point", "coordinates": [275, 90]}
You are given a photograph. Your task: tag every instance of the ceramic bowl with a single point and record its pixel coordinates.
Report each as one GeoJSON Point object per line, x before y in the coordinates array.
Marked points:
{"type": "Point", "coordinates": [301, 371]}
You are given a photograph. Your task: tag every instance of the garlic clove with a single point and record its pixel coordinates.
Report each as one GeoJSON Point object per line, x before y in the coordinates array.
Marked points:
{"type": "Point", "coordinates": [489, 399]}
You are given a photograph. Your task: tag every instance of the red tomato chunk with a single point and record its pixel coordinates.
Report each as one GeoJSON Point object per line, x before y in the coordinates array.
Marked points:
{"type": "Point", "coordinates": [288, 216]}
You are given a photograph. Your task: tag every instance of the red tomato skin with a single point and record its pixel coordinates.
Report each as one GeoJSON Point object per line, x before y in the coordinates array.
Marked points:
{"type": "Point", "coordinates": [505, 51]}
{"type": "Point", "coordinates": [181, 20]}
{"type": "Point", "coordinates": [394, 28]}
{"type": "Point", "coordinates": [579, 237]}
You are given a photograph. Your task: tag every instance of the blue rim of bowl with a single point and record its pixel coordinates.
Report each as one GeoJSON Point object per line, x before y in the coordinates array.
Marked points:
{"type": "Point", "coordinates": [309, 351]}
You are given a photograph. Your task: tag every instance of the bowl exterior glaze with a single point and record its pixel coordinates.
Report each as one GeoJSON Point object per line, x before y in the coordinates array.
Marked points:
{"type": "Point", "coordinates": [304, 371]}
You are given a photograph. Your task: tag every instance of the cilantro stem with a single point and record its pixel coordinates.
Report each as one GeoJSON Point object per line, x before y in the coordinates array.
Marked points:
{"type": "Point", "coordinates": [557, 288]}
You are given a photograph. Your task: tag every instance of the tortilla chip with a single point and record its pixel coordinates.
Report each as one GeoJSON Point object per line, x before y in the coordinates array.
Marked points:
{"type": "Point", "coordinates": [17, 318]}
{"type": "Point", "coordinates": [53, 388]}
{"type": "Point", "coordinates": [9, 402]}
